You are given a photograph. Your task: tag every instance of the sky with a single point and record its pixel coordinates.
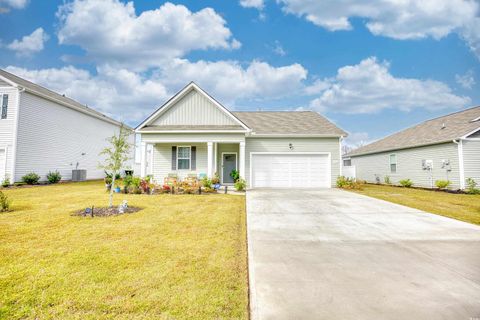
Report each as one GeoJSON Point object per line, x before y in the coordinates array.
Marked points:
{"type": "Point", "coordinates": [373, 67]}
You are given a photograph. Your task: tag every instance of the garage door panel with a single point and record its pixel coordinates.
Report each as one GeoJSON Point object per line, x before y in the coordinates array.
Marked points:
{"type": "Point", "coordinates": [290, 170]}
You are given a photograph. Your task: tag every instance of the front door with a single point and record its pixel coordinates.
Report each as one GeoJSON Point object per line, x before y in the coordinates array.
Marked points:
{"type": "Point", "coordinates": [229, 163]}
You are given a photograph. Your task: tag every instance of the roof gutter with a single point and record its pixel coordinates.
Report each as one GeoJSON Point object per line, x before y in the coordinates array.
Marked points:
{"type": "Point", "coordinates": [396, 149]}
{"type": "Point", "coordinates": [292, 135]}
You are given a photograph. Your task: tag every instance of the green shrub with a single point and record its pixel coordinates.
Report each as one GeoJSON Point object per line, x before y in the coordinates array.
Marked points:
{"type": "Point", "coordinates": [4, 202]}
{"type": "Point", "coordinates": [136, 182]}
{"type": "Point", "coordinates": [54, 177]}
{"type": "Point", "coordinates": [442, 184]}
{"type": "Point", "coordinates": [348, 183]}
{"type": "Point", "coordinates": [471, 186]}
{"type": "Point", "coordinates": [407, 183]}
{"type": "Point", "coordinates": [127, 181]}
{"type": "Point", "coordinates": [6, 182]}
{"type": "Point", "coordinates": [207, 183]}
{"type": "Point", "coordinates": [342, 181]}
{"type": "Point", "coordinates": [31, 178]}
{"type": "Point", "coordinates": [240, 184]}
{"type": "Point", "coordinates": [387, 180]}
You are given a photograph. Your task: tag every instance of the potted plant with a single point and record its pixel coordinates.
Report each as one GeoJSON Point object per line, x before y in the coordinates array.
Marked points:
{"type": "Point", "coordinates": [216, 181]}
{"type": "Point", "coordinates": [127, 183]}
{"type": "Point", "coordinates": [235, 175]}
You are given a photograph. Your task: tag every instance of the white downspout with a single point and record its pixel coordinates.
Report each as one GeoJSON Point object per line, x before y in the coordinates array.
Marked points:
{"type": "Point", "coordinates": [461, 168]}
{"type": "Point", "coordinates": [341, 158]}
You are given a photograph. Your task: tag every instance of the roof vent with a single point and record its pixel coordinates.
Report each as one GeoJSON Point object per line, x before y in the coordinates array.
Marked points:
{"type": "Point", "coordinates": [63, 95]}
{"type": "Point", "coordinates": [443, 125]}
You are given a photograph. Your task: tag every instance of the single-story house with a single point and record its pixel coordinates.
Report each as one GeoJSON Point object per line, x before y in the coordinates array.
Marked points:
{"type": "Point", "coordinates": [444, 148]}
{"type": "Point", "coordinates": [42, 131]}
{"type": "Point", "coordinates": [193, 134]}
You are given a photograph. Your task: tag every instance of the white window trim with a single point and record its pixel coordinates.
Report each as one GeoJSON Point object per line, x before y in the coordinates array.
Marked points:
{"type": "Point", "coordinates": [390, 163]}
{"type": "Point", "coordinates": [189, 158]}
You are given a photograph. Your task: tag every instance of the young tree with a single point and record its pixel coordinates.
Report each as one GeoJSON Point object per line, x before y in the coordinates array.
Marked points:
{"type": "Point", "coordinates": [116, 155]}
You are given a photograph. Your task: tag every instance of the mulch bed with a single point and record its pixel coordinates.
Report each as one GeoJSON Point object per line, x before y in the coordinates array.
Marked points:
{"type": "Point", "coordinates": [106, 212]}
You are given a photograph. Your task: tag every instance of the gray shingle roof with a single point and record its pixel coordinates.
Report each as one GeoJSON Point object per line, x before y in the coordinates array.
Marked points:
{"type": "Point", "coordinates": [35, 88]}
{"type": "Point", "coordinates": [289, 122]}
{"type": "Point", "coordinates": [438, 130]}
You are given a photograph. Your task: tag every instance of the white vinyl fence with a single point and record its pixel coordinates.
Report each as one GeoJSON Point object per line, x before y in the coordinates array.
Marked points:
{"type": "Point", "coordinates": [349, 172]}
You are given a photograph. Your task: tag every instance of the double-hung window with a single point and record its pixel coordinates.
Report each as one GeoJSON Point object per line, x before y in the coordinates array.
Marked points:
{"type": "Point", "coordinates": [184, 158]}
{"type": "Point", "coordinates": [393, 163]}
{"type": "Point", "coordinates": [4, 106]}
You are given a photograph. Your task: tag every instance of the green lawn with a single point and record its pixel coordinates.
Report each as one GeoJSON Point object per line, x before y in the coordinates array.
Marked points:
{"type": "Point", "coordinates": [182, 257]}
{"type": "Point", "coordinates": [458, 206]}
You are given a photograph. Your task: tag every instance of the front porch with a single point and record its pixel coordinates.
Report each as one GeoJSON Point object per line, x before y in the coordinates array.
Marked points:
{"type": "Point", "coordinates": [161, 159]}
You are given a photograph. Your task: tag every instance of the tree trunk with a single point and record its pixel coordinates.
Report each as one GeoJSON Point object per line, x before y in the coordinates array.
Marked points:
{"type": "Point", "coordinates": [111, 189]}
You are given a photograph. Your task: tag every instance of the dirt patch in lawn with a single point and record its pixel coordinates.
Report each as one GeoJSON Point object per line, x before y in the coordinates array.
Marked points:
{"type": "Point", "coordinates": [105, 212]}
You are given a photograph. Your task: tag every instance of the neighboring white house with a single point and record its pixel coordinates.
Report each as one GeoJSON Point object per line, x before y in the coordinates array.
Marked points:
{"type": "Point", "coordinates": [444, 148]}
{"type": "Point", "coordinates": [42, 131]}
{"type": "Point", "coordinates": [193, 134]}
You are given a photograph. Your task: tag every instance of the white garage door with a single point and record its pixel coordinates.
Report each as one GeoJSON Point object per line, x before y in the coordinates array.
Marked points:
{"type": "Point", "coordinates": [292, 170]}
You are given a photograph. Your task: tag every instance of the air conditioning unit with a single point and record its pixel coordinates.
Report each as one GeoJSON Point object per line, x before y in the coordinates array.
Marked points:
{"type": "Point", "coordinates": [79, 175]}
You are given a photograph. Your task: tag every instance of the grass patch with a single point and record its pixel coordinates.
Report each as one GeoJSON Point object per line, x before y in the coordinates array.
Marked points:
{"type": "Point", "coordinates": [462, 207]}
{"type": "Point", "coordinates": [181, 257]}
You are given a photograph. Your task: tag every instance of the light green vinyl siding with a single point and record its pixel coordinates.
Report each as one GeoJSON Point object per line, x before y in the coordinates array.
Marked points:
{"type": "Point", "coordinates": [194, 109]}
{"type": "Point", "coordinates": [471, 159]}
{"type": "Point", "coordinates": [409, 165]}
{"type": "Point", "coordinates": [330, 145]}
{"type": "Point", "coordinates": [162, 160]}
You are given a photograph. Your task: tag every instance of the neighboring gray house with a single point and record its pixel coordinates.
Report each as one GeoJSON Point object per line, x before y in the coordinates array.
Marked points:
{"type": "Point", "coordinates": [192, 133]}
{"type": "Point", "coordinates": [42, 131]}
{"type": "Point", "coordinates": [444, 148]}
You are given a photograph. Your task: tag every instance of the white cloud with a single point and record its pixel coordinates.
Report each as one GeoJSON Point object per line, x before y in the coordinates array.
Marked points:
{"type": "Point", "coordinates": [471, 34]}
{"type": "Point", "coordinates": [368, 87]}
{"type": "Point", "coordinates": [257, 4]}
{"type": "Point", "coordinates": [467, 80]}
{"type": "Point", "coordinates": [14, 4]}
{"type": "Point", "coordinates": [230, 81]}
{"type": "Point", "coordinates": [278, 49]}
{"type": "Point", "coordinates": [110, 31]}
{"type": "Point", "coordinates": [30, 44]}
{"type": "Point", "coordinates": [122, 94]}
{"type": "Point", "coordinates": [131, 96]}
{"type": "Point", "coordinates": [356, 140]}
{"type": "Point", "coordinates": [398, 19]}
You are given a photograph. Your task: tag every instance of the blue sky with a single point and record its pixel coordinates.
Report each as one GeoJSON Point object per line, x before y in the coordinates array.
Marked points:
{"type": "Point", "coordinates": [373, 67]}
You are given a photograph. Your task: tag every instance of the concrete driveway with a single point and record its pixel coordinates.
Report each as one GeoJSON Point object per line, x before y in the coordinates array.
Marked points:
{"type": "Point", "coordinates": [332, 254]}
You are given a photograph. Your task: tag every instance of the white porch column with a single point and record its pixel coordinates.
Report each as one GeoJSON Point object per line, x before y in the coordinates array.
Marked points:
{"type": "Point", "coordinates": [215, 152]}
{"type": "Point", "coordinates": [143, 159]}
{"type": "Point", "coordinates": [241, 155]}
{"type": "Point", "coordinates": [209, 159]}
